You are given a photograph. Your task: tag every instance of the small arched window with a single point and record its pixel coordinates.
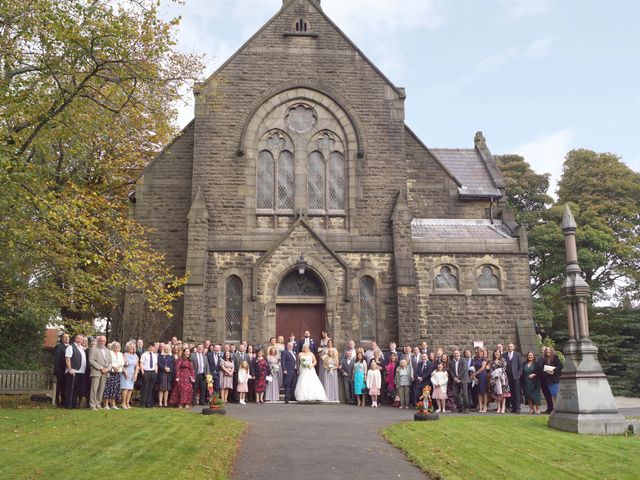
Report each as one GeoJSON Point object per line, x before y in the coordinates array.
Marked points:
{"type": "Point", "coordinates": [368, 320]}
{"type": "Point", "coordinates": [447, 279]}
{"type": "Point", "coordinates": [233, 308]}
{"type": "Point", "coordinates": [487, 279]}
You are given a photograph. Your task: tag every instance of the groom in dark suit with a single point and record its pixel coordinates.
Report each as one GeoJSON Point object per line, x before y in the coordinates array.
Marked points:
{"type": "Point", "coordinates": [310, 342]}
{"type": "Point", "coordinates": [514, 372]}
{"type": "Point", "coordinates": [289, 363]}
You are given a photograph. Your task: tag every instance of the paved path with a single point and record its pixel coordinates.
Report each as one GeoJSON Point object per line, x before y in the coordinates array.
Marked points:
{"type": "Point", "coordinates": [319, 441]}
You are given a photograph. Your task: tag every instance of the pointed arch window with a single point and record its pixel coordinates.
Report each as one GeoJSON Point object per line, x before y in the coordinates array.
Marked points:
{"type": "Point", "coordinates": [368, 320]}
{"type": "Point", "coordinates": [326, 178]}
{"type": "Point", "coordinates": [233, 308]}
{"type": "Point", "coordinates": [275, 181]}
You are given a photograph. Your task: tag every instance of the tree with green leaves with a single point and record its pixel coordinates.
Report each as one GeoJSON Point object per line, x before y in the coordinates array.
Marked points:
{"type": "Point", "coordinates": [88, 91]}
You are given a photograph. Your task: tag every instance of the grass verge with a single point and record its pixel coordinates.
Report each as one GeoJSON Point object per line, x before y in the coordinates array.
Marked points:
{"type": "Point", "coordinates": [512, 447]}
{"type": "Point", "coordinates": [139, 443]}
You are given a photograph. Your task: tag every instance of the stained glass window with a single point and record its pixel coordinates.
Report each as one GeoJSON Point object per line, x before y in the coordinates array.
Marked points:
{"type": "Point", "coordinates": [487, 279]}
{"type": "Point", "coordinates": [265, 176]}
{"type": "Point", "coordinates": [315, 181]}
{"type": "Point", "coordinates": [336, 181]}
{"type": "Point", "coordinates": [285, 180]}
{"type": "Point", "coordinates": [446, 279]}
{"type": "Point", "coordinates": [367, 309]}
{"type": "Point", "coordinates": [233, 310]}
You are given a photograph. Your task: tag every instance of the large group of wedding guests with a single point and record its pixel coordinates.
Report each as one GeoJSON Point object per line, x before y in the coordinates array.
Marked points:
{"type": "Point", "coordinates": [98, 375]}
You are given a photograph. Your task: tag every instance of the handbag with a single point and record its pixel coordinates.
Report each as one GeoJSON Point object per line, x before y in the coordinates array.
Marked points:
{"type": "Point", "coordinates": [365, 391]}
{"type": "Point", "coordinates": [269, 378]}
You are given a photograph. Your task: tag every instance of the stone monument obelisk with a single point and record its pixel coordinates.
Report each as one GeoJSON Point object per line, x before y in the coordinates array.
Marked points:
{"type": "Point", "coordinates": [585, 403]}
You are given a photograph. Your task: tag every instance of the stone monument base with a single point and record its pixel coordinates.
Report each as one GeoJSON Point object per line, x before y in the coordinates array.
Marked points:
{"type": "Point", "coordinates": [589, 423]}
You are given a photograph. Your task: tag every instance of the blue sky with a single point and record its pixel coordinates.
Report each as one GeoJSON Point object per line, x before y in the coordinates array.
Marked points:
{"type": "Point", "coordinates": [537, 77]}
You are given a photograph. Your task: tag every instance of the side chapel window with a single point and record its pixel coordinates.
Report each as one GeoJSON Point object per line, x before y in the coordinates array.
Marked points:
{"type": "Point", "coordinates": [233, 308]}
{"type": "Point", "coordinates": [367, 309]}
{"type": "Point", "coordinates": [446, 279]}
{"type": "Point", "coordinates": [487, 279]}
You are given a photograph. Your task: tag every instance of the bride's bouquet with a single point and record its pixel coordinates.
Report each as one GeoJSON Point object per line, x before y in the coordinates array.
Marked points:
{"type": "Point", "coordinates": [306, 362]}
{"type": "Point", "coordinates": [275, 368]}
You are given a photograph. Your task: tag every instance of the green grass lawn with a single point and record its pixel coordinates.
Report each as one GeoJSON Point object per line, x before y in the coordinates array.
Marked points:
{"type": "Point", "coordinates": [138, 443]}
{"type": "Point", "coordinates": [521, 447]}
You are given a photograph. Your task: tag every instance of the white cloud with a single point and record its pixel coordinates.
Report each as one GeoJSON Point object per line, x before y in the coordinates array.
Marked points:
{"type": "Point", "coordinates": [541, 47]}
{"type": "Point", "coordinates": [526, 8]}
{"type": "Point", "coordinates": [494, 62]}
{"type": "Point", "coordinates": [383, 16]}
{"type": "Point", "coordinates": [546, 153]}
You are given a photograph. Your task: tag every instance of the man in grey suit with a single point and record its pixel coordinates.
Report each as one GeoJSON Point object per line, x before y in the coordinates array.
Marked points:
{"type": "Point", "coordinates": [514, 372]}
{"type": "Point", "coordinates": [201, 370]}
{"type": "Point", "coordinates": [346, 370]}
{"type": "Point", "coordinates": [100, 363]}
{"type": "Point", "coordinates": [459, 371]}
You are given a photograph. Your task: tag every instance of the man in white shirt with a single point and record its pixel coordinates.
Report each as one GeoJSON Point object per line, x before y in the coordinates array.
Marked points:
{"type": "Point", "coordinates": [368, 355]}
{"type": "Point", "coordinates": [352, 348]}
{"type": "Point", "coordinates": [76, 366]}
{"type": "Point", "coordinates": [149, 370]}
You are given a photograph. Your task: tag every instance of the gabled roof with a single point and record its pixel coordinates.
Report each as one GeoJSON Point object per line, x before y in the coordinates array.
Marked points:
{"type": "Point", "coordinates": [468, 166]}
{"type": "Point", "coordinates": [287, 4]}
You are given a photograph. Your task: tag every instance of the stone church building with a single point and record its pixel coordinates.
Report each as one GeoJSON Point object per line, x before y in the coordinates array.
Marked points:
{"type": "Point", "coordinates": [298, 199]}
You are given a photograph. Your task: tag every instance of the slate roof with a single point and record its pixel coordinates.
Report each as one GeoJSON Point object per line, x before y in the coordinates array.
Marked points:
{"type": "Point", "coordinates": [455, 229]}
{"type": "Point", "coordinates": [468, 166]}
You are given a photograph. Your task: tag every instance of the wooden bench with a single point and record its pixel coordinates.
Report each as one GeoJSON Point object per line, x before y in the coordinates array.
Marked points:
{"type": "Point", "coordinates": [27, 382]}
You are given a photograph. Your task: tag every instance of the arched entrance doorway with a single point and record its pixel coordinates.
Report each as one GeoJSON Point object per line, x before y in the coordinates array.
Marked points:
{"type": "Point", "coordinates": [300, 304]}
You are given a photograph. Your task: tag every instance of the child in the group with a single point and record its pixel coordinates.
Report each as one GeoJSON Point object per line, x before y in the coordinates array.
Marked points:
{"type": "Point", "coordinates": [403, 383]}
{"type": "Point", "coordinates": [243, 381]}
{"type": "Point", "coordinates": [374, 381]}
{"type": "Point", "coordinates": [439, 380]}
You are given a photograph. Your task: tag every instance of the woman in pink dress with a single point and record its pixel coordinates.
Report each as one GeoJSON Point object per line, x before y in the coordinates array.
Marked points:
{"type": "Point", "coordinates": [182, 392]}
{"type": "Point", "coordinates": [226, 376]}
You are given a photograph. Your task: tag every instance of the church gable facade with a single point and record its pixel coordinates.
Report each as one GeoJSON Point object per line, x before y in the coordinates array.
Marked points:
{"type": "Point", "coordinates": [297, 199]}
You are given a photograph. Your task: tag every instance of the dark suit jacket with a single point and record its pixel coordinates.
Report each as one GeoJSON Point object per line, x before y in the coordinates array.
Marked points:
{"type": "Point", "coordinates": [346, 368]}
{"type": "Point", "coordinates": [59, 361]}
{"type": "Point", "coordinates": [312, 345]}
{"type": "Point", "coordinates": [514, 366]}
{"type": "Point", "coordinates": [205, 364]}
{"type": "Point", "coordinates": [288, 363]}
{"type": "Point", "coordinates": [462, 373]}
{"type": "Point", "coordinates": [423, 370]}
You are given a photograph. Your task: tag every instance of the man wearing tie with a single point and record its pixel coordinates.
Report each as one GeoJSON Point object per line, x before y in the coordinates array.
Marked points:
{"type": "Point", "coordinates": [289, 365]}
{"type": "Point", "coordinates": [346, 370]}
{"type": "Point", "coordinates": [149, 370]}
{"type": "Point", "coordinates": [460, 374]}
{"type": "Point", "coordinates": [100, 363]}
{"type": "Point", "coordinates": [201, 370]}
{"type": "Point", "coordinates": [309, 342]}
{"type": "Point", "coordinates": [422, 375]}
{"type": "Point", "coordinates": [514, 372]}
{"type": "Point", "coordinates": [213, 358]}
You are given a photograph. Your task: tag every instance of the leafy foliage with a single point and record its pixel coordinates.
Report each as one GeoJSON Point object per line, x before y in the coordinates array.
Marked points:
{"type": "Point", "coordinates": [87, 93]}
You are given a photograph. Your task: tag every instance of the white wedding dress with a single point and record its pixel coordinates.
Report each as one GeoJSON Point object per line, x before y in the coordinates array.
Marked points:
{"type": "Point", "coordinates": [309, 388]}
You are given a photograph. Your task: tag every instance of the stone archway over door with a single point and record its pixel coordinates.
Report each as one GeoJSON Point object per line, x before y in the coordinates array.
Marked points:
{"type": "Point", "coordinates": [297, 318]}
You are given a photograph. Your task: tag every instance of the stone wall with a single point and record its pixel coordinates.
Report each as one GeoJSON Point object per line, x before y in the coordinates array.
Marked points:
{"type": "Point", "coordinates": [456, 319]}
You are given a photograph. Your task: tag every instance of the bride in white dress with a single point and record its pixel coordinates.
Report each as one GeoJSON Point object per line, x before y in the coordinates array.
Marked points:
{"type": "Point", "coordinates": [309, 388]}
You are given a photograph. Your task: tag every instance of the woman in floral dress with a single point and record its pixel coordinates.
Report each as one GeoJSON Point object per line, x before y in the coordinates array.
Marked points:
{"type": "Point", "coordinates": [182, 391]}
{"type": "Point", "coordinates": [260, 372]}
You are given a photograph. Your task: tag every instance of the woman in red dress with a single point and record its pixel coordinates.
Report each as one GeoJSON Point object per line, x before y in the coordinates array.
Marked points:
{"type": "Point", "coordinates": [182, 392]}
{"type": "Point", "coordinates": [260, 372]}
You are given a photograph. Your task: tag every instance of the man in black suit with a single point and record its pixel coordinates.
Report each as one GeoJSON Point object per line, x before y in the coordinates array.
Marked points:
{"type": "Point", "coordinates": [200, 364]}
{"type": "Point", "coordinates": [346, 370]}
{"type": "Point", "coordinates": [514, 372]}
{"type": "Point", "coordinates": [459, 371]}
{"type": "Point", "coordinates": [422, 375]}
{"type": "Point", "coordinates": [213, 358]}
{"type": "Point", "coordinates": [59, 366]}
{"type": "Point", "coordinates": [289, 364]}
{"type": "Point", "coordinates": [308, 341]}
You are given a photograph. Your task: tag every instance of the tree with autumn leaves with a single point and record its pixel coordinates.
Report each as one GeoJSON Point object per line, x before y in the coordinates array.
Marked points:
{"type": "Point", "coordinates": [88, 94]}
{"type": "Point", "coordinates": [604, 195]}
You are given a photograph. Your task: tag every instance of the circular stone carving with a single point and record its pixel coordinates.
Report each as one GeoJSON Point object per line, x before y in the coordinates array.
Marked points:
{"type": "Point", "coordinates": [301, 118]}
